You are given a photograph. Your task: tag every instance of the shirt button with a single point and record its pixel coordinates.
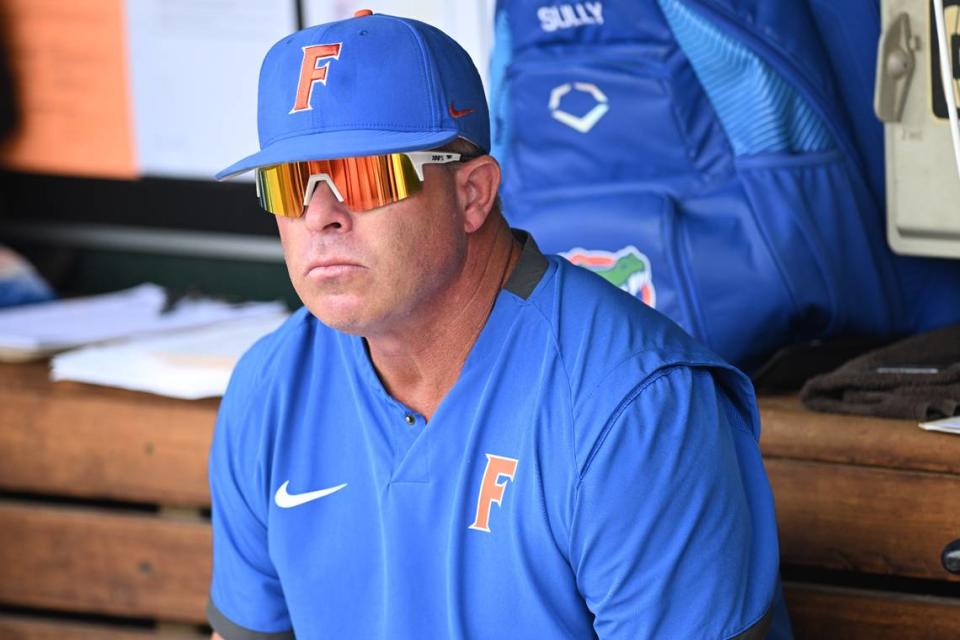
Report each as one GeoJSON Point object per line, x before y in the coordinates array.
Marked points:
{"type": "Point", "coordinates": [409, 419]}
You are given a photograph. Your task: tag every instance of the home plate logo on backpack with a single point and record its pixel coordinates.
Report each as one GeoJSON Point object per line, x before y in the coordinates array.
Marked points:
{"type": "Point", "coordinates": [627, 268]}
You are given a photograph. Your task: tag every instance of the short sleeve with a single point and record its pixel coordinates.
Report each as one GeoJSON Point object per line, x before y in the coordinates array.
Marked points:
{"type": "Point", "coordinates": [246, 600]}
{"type": "Point", "coordinates": [674, 534]}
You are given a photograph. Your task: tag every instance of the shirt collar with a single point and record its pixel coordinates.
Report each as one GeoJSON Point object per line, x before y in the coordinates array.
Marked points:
{"type": "Point", "coordinates": [529, 268]}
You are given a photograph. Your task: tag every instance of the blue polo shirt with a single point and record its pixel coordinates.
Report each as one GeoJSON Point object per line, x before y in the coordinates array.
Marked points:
{"type": "Point", "coordinates": [593, 472]}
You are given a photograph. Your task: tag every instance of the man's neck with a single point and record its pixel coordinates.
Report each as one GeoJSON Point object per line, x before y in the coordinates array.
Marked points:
{"type": "Point", "coordinates": [420, 364]}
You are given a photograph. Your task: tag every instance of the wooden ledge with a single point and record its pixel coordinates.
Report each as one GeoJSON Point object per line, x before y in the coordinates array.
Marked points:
{"type": "Point", "coordinates": [790, 430]}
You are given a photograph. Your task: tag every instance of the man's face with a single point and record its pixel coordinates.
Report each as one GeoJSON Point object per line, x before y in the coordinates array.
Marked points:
{"type": "Point", "coordinates": [376, 271]}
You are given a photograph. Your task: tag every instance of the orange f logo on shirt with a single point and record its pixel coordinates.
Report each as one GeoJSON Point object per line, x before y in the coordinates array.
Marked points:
{"type": "Point", "coordinates": [491, 488]}
{"type": "Point", "coordinates": [310, 73]}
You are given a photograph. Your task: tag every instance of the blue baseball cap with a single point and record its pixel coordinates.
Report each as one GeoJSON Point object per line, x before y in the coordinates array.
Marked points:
{"type": "Point", "coordinates": [368, 85]}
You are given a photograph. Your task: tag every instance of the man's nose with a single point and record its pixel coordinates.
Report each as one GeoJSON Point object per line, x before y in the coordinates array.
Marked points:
{"type": "Point", "coordinates": [324, 212]}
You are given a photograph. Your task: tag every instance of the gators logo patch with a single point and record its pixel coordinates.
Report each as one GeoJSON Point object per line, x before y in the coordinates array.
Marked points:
{"type": "Point", "coordinates": [627, 268]}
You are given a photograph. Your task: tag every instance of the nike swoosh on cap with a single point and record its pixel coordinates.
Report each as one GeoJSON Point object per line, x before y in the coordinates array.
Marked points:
{"type": "Point", "coordinates": [459, 113]}
{"type": "Point", "coordinates": [286, 500]}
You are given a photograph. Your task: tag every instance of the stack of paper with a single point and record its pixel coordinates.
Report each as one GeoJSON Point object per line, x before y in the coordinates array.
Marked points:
{"type": "Point", "coordinates": [187, 364]}
{"type": "Point", "coordinates": [40, 330]}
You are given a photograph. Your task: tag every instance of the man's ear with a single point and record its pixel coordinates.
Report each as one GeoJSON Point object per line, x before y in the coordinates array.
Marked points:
{"type": "Point", "coordinates": [477, 181]}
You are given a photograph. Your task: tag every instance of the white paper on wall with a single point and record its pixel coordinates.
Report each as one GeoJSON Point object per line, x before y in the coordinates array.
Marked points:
{"type": "Point", "coordinates": [194, 68]}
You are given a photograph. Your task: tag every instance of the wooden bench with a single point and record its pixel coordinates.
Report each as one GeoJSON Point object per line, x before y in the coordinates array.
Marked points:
{"type": "Point", "coordinates": [870, 497]}
{"type": "Point", "coordinates": [104, 527]}
{"type": "Point", "coordinates": [103, 511]}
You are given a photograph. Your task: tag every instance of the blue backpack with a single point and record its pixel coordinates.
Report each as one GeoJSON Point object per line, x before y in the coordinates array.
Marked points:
{"type": "Point", "coordinates": [719, 159]}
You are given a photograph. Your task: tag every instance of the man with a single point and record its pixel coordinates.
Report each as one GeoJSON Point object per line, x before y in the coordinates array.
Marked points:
{"type": "Point", "coordinates": [459, 437]}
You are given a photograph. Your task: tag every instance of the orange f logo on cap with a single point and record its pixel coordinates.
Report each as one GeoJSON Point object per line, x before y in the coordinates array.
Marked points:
{"type": "Point", "coordinates": [310, 73]}
{"type": "Point", "coordinates": [491, 488]}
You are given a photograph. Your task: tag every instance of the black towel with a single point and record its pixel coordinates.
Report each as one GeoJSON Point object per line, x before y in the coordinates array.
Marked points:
{"type": "Point", "coordinates": [917, 377]}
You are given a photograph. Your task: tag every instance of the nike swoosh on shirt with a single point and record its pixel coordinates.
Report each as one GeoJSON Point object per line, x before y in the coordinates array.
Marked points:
{"type": "Point", "coordinates": [286, 500]}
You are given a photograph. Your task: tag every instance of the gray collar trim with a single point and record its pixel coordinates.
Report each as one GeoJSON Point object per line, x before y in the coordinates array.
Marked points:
{"type": "Point", "coordinates": [759, 629]}
{"type": "Point", "coordinates": [228, 629]}
{"type": "Point", "coordinates": [529, 269]}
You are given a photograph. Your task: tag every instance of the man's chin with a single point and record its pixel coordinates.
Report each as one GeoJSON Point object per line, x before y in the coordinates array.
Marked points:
{"type": "Point", "coordinates": [339, 318]}
{"type": "Point", "coordinates": [353, 326]}
{"type": "Point", "coordinates": [354, 314]}
{"type": "Point", "coordinates": [350, 328]}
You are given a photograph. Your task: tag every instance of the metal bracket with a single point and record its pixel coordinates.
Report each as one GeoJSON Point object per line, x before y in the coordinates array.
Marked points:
{"type": "Point", "coordinates": [895, 65]}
